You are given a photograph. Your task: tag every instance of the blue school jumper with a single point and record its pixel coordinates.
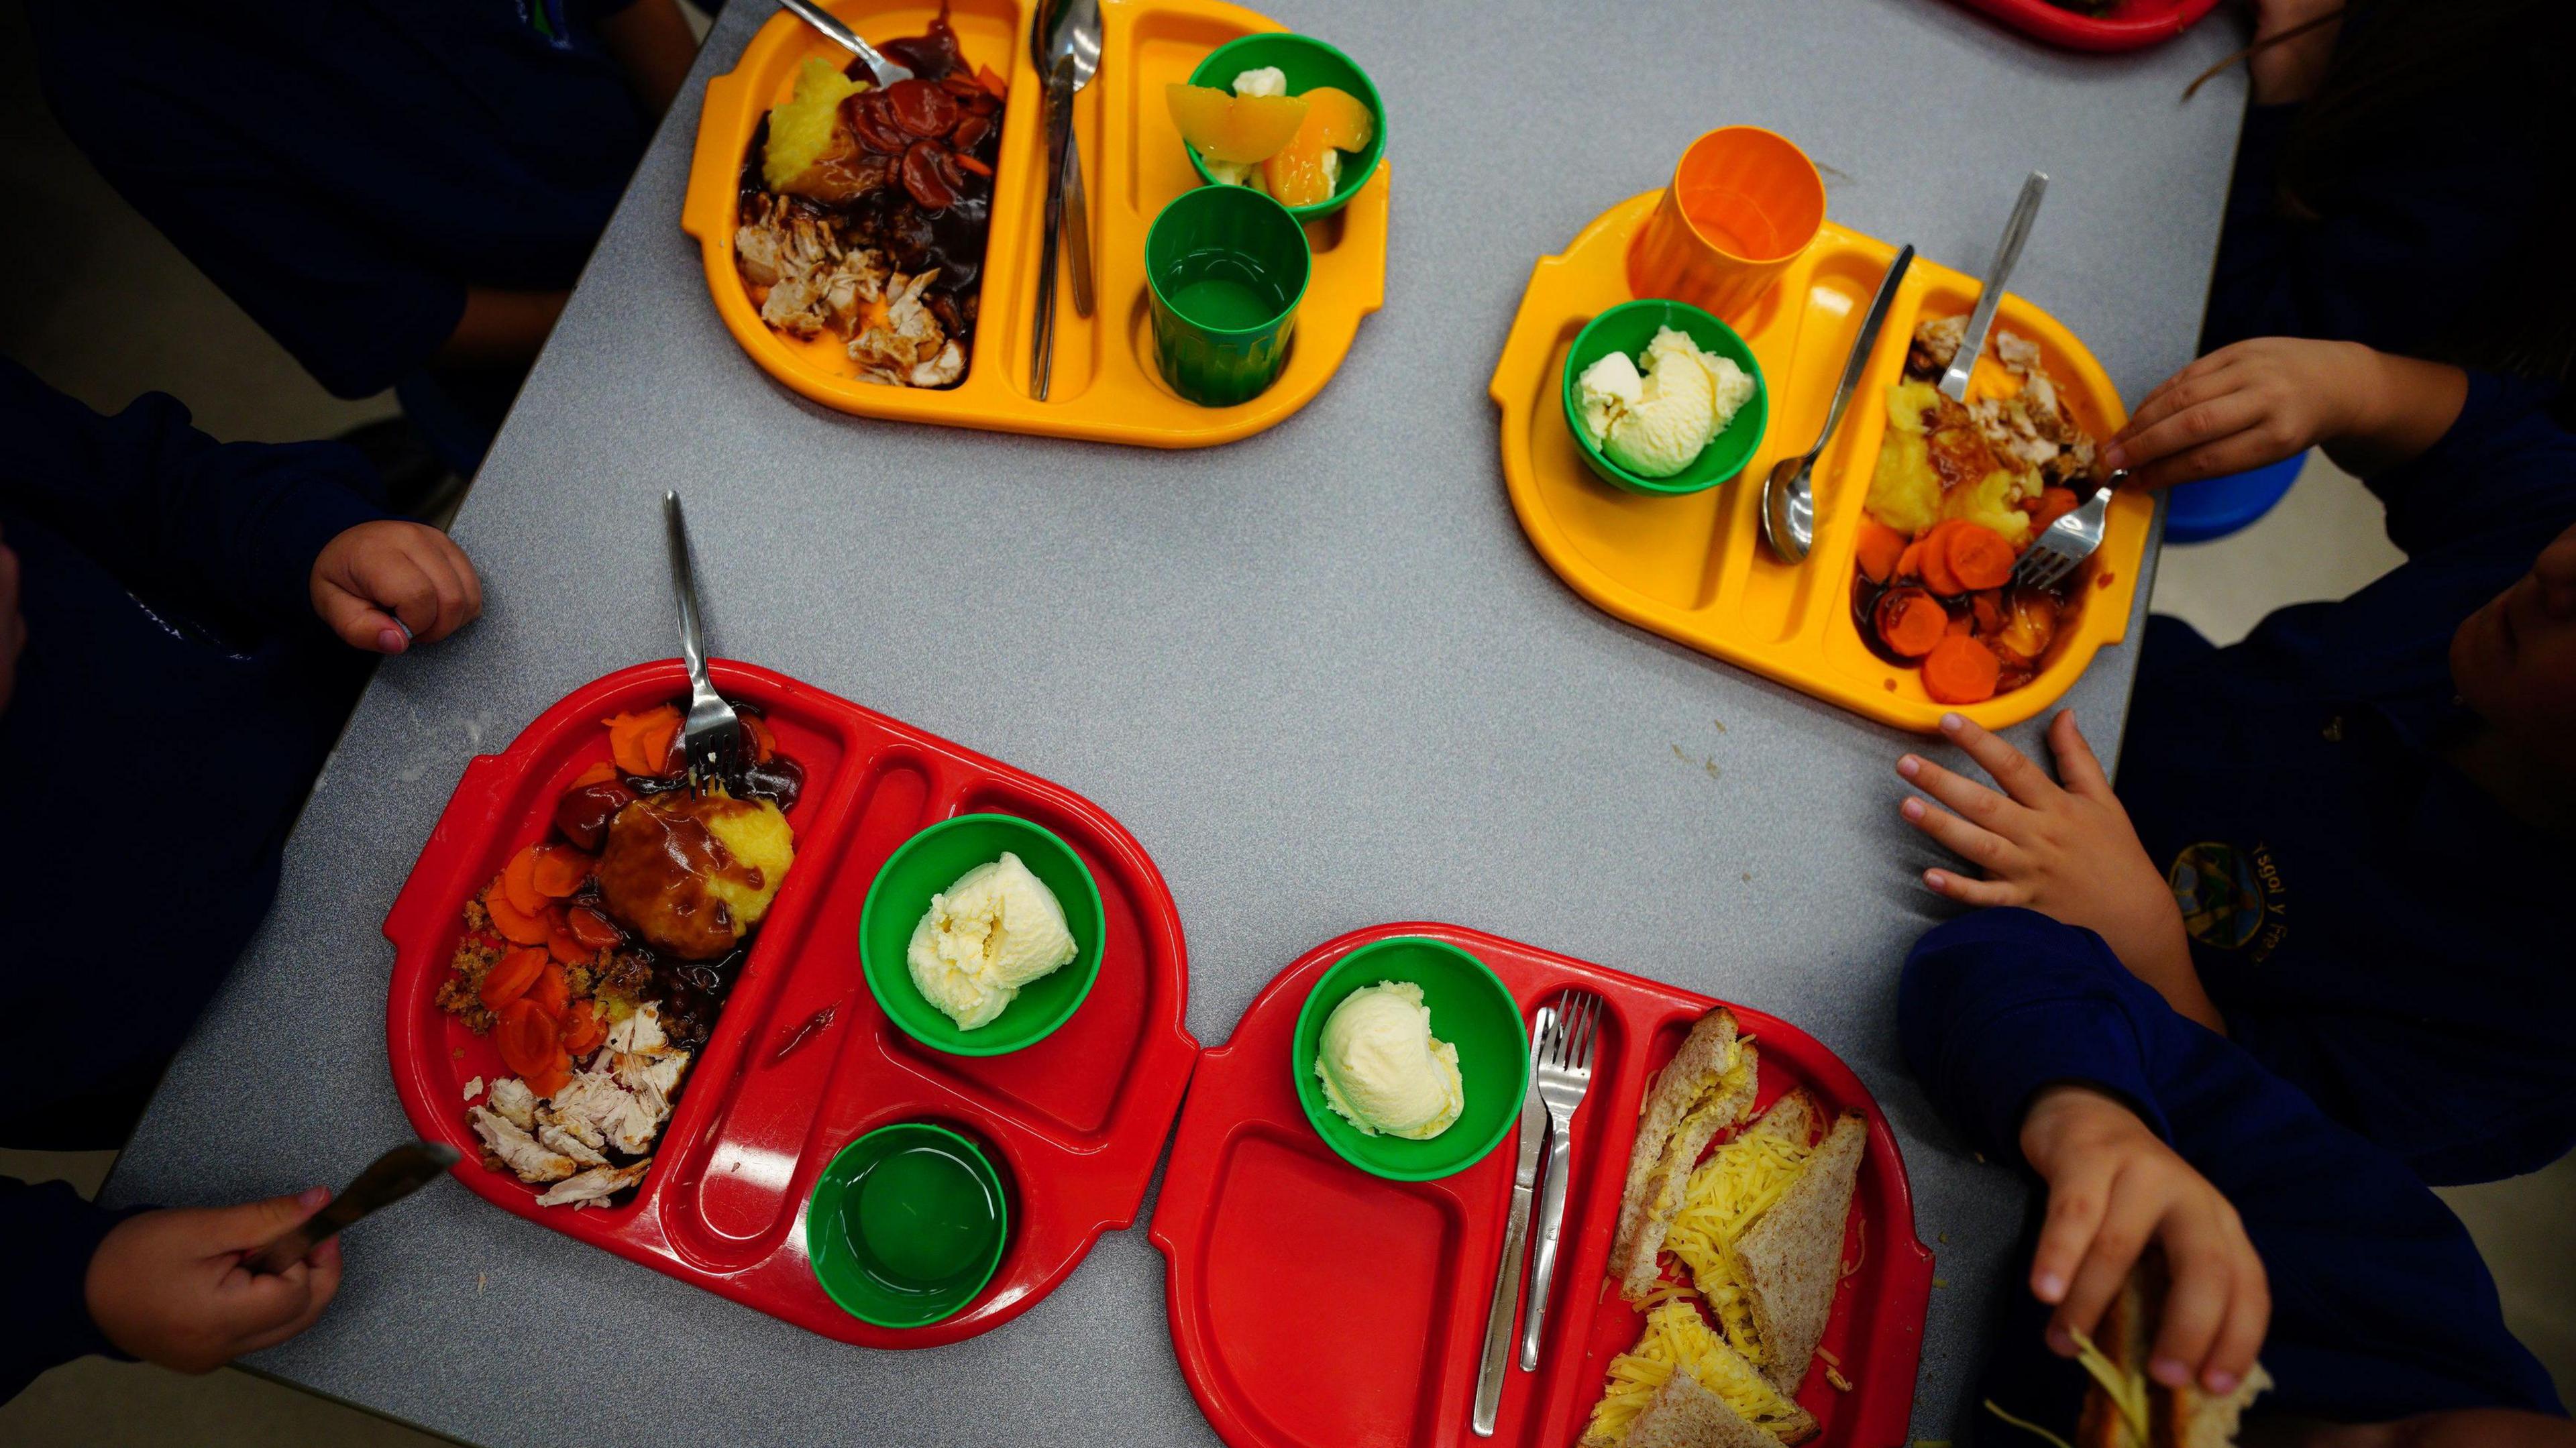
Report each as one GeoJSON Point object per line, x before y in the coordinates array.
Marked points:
{"type": "Point", "coordinates": [174, 699]}
{"type": "Point", "coordinates": [2373, 926]}
{"type": "Point", "coordinates": [2381, 1307]}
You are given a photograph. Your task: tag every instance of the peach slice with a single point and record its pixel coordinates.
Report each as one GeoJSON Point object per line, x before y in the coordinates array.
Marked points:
{"type": "Point", "coordinates": [1307, 170]}
{"type": "Point", "coordinates": [1223, 126]}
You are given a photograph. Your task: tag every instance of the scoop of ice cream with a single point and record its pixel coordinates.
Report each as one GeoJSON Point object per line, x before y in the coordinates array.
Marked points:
{"type": "Point", "coordinates": [1383, 1070]}
{"type": "Point", "coordinates": [1269, 80]}
{"type": "Point", "coordinates": [1605, 392]}
{"type": "Point", "coordinates": [1732, 384]}
{"type": "Point", "coordinates": [983, 938]}
{"type": "Point", "coordinates": [1657, 422]}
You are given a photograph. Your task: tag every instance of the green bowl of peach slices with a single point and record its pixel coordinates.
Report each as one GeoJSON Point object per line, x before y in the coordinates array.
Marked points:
{"type": "Point", "coordinates": [1284, 114]}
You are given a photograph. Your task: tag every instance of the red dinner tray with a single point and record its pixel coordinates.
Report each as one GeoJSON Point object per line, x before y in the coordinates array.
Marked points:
{"type": "Point", "coordinates": [1074, 1122]}
{"type": "Point", "coordinates": [2131, 25]}
{"type": "Point", "coordinates": [1314, 1304]}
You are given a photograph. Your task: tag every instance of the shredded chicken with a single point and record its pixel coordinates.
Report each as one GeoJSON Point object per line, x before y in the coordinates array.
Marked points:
{"type": "Point", "coordinates": [2031, 428]}
{"type": "Point", "coordinates": [553, 1135]}
{"type": "Point", "coordinates": [516, 1103]}
{"type": "Point", "coordinates": [594, 1187]}
{"type": "Point", "coordinates": [814, 281]}
{"type": "Point", "coordinates": [514, 1149]}
{"type": "Point", "coordinates": [908, 348]}
{"type": "Point", "coordinates": [616, 1104]}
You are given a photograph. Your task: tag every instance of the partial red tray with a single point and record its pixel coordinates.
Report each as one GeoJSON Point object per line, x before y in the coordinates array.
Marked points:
{"type": "Point", "coordinates": [1314, 1304]}
{"type": "Point", "coordinates": [2131, 25]}
{"type": "Point", "coordinates": [1074, 1122]}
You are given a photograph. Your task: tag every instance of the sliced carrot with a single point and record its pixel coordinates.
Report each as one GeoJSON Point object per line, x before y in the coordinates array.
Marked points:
{"type": "Point", "coordinates": [632, 740]}
{"type": "Point", "coordinates": [1909, 564]}
{"type": "Point", "coordinates": [525, 1038]}
{"type": "Point", "coordinates": [1988, 609]}
{"type": "Point", "coordinates": [1978, 555]}
{"type": "Point", "coordinates": [516, 926]}
{"type": "Point", "coordinates": [660, 745]}
{"type": "Point", "coordinates": [1880, 547]}
{"type": "Point", "coordinates": [559, 871]}
{"type": "Point", "coordinates": [985, 77]}
{"type": "Point", "coordinates": [969, 163]}
{"type": "Point", "coordinates": [2054, 503]}
{"type": "Point", "coordinates": [1910, 621]}
{"type": "Point", "coordinates": [553, 991]}
{"type": "Point", "coordinates": [1936, 560]}
{"type": "Point", "coordinates": [1961, 625]}
{"type": "Point", "coordinates": [519, 882]}
{"type": "Point", "coordinates": [510, 977]}
{"type": "Point", "coordinates": [561, 942]}
{"type": "Point", "coordinates": [556, 1075]}
{"type": "Point", "coordinates": [600, 773]}
{"type": "Point", "coordinates": [583, 1030]}
{"type": "Point", "coordinates": [764, 743]}
{"type": "Point", "coordinates": [1961, 671]}
{"type": "Point", "coordinates": [591, 928]}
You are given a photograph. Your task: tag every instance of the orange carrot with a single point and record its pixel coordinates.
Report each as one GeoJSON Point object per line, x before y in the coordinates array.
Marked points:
{"type": "Point", "coordinates": [1909, 564]}
{"type": "Point", "coordinates": [659, 743]}
{"type": "Point", "coordinates": [2054, 503]}
{"type": "Point", "coordinates": [1879, 548]}
{"type": "Point", "coordinates": [583, 1030]}
{"type": "Point", "coordinates": [1910, 621]}
{"type": "Point", "coordinates": [764, 741]}
{"type": "Point", "coordinates": [1979, 556]}
{"type": "Point", "coordinates": [985, 77]}
{"type": "Point", "coordinates": [600, 773]}
{"type": "Point", "coordinates": [1936, 560]}
{"type": "Point", "coordinates": [558, 871]}
{"type": "Point", "coordinates": [516, 926]}
{"type": "Point", "coordinates": [510, 977]}
{"type": "Point", "coordinates": [632, 740]}
{"type": "Point", "coordinates": [553, 991]}
{"type": "Point", "coordinates": [556, 1075]}
{"type": "Point", "coordinates": [519, 882]}
{"type": "Point", "coordinates": [561, 943]}
{"type": "Point", "coordinates": [1960, 626]}
{"type": "Point", "coordinates": [1961, 671]}
{"type": "Point", "coordinates": [1988, 608]}
{"type": "Point", "coordinates": [525, 1038]}
{"type": "Point", "coordinates": [590, 928]}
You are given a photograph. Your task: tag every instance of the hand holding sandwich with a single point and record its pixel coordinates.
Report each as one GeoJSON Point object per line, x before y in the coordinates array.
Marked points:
{"type": "Point", "coordinates": [2067, 851]}
{"type": "Point", "coordinates": [2114, 1187]}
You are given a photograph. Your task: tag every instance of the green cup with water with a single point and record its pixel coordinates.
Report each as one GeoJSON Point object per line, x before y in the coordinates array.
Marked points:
{"type": "Point", "coordinates": [1227, 266]}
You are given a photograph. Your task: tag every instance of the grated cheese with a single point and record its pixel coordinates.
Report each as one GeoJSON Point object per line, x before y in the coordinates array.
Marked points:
{"type": "Point", "coordinates": [1677, 1338]}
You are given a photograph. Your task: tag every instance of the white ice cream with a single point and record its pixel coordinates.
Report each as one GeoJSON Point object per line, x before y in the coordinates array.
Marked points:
{"type": "Point", "coordinates": [984, 938]}
{"type": "Point", "coordinates": [1656, 422]}
{"type": "Point", "coordinates": [1383, 1070]}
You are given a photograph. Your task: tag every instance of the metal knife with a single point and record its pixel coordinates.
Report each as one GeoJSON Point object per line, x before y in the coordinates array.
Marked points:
{"type": "Point", "coordinates": [1507, 1273]}
{"type": "Point", "coordinates": [1972, 345]}
{"type": "Point", "coordinates": [390, 1178]}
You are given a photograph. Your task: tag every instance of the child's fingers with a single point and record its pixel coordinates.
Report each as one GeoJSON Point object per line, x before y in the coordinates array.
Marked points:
{"type": "Point", "coordinates": [2077, 767]}
{"type": "Point", "coordinates": [1984, 894]}
{"type": "Point", "coordinates": [2077, 1199]}
{"type": "Point", "coordinates": [1973, 801]}
{"type": "Point", "coordinates": [2249, 1317]}
{"type": "Point", "coordinates": [2026, 782]}
{"type": "Point", "coordinates": [2239, 452]}
{"type": "Point", "coordinates": [1979, 847]}
{"type": "Point", "coordinates": [2204, 1270]}
{"type": "Point", "coordinates": [2126, 1225]}
{"type": "Point", "coordinates": [2194, 384]}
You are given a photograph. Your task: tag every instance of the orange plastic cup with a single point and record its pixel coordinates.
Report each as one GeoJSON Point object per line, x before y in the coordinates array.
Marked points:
{"type": "Point", "coordinates": [1742, 204]}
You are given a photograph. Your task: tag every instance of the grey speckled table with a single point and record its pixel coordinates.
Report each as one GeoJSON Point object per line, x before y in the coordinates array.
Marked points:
{"type": "Point", "coordinates": [1319, 673]}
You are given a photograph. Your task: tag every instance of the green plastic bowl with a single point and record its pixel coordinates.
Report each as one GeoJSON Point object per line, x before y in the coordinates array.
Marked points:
{"type": "Point", "coordinates": [1470, 1009]}
{"type": "Point", "coordinates": [1628, 327]}
{"type": "Point", "coordinates": [932, 861]}
{"type": "Point", "coordinates": [1308, 63]}
{"type": "Point", "coordinates": [907, 1224]}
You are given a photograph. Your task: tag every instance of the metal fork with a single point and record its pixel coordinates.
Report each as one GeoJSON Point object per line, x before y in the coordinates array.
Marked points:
{"type": "Point", "coordinates": [2063, 546]}
{"type": "Point", "coordinates": [711, 739]}
{"type": "Point", "coordinates": [1564, 1074]}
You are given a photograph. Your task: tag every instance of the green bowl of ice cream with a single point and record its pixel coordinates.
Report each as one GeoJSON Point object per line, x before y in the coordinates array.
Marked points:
{"type": "Point", "coordinates": [1648, 446]}
{"type": "Point", "coordinates": [993, 901]}
{"type": "Point", "coordinates": [1360, 1050]}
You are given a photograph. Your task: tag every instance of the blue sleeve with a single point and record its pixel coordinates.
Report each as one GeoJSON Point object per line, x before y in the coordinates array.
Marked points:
{"type": "Point", "coordinates": [150, 497]}
{"type": "Point", "coordinates": [2382, 1307]}
{"type": "Point", "coordinates": [2504, 472]}
{"type": "Point", "coordinates": [52, 1235]}
{"type": "Point", "coordinates": [344, 298]}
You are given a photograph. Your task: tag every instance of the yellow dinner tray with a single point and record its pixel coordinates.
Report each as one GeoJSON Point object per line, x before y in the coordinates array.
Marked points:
{"type": "Point", "coordinates": [1105, 386]}
{"type": "Point", "coordinates": [1693, 568]}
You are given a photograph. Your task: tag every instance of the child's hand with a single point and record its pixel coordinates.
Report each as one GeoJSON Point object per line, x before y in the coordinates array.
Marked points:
{"type": "Point", "coordinates": [2070, 854]}
{"type": "Point", "coordinates": [169, 1287]}
{"type": "Point", "coordinates": [2288, 71]}
{"type": "Point", "coordinates": [2113, 1187]}
{"type": "Point", "coordinates": [383, 585]}
{"type": "Point", "coordinates": [2243, 406]}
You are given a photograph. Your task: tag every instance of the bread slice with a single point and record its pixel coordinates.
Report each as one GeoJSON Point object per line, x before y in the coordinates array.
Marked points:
{"type": "Point", "coordinates": [1791, 1258]}
{"type": "Point", "coordinates": [1682, 1414]}
{"type": "Point", "coordinates": [2183, 1417]}
{"type": "Point", "coordinates": [1677, 1088]}
{"type": "Point", "coordinates": [2122, 1337]}
{"type": "Point", "coordinates": [1722, 1098]}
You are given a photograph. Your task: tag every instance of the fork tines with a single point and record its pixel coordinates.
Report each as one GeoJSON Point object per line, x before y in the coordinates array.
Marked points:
{"type": "Point", "coordinates": [1578, 1020]}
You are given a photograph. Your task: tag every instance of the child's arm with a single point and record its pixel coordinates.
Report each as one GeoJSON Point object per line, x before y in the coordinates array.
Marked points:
{"type": "Point", "coordinates": [2020, 1033]}
{"type": "Point", "coordinates": [2270, 398]}
{"type": "Point", "coordinates": [2067, 852]}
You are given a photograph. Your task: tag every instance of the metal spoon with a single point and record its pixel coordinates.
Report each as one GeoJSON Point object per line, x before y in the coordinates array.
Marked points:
{"type": "Point", "coordinates": [887, 72]}
{"type": "Point", "coordinates": [1071, 29]}
{"type": "Point", "coordinates": [1789, 493]}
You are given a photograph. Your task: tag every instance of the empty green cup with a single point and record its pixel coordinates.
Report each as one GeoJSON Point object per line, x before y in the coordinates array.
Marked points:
{"type": "Point", "coordinates": [906, 1225]}
{"type": "Point", "coordinates": [1227, 266]}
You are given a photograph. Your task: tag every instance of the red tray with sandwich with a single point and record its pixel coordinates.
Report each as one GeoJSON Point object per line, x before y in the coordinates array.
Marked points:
{"type": "Point", "coordinates": [1314, 1304]}
{"type": "Point", "coordinates": [713, 1111]}
{"type": "Point", "coordinates": [2120, 25]}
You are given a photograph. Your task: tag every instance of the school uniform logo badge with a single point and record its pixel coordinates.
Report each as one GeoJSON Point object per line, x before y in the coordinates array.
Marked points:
{"type": "Point", "coordinates": [2230, 898]}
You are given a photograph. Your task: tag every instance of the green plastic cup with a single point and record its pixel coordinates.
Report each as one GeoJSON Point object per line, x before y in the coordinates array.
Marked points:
{"type": "Point", "coordinates": [930, 862]}
{"type": "Point", "coordinates": [1471, 1009]}
{"type": "Point", "coordinates": [1308, 63]}
{"type": "Point", "coordinates": [1628, 327]}
{"type": "Point", "coordinates": [907, 1224]}
{"type": "Point", "coordinates": [1227, 267]}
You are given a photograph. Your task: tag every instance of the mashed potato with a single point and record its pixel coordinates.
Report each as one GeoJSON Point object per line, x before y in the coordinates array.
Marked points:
{"type": "Point", "coordinates": [693, 876]}
{"type": "Point", "coordinates": [1933, 464]}
{"type": "Point", "coordinates": [800, 128]}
